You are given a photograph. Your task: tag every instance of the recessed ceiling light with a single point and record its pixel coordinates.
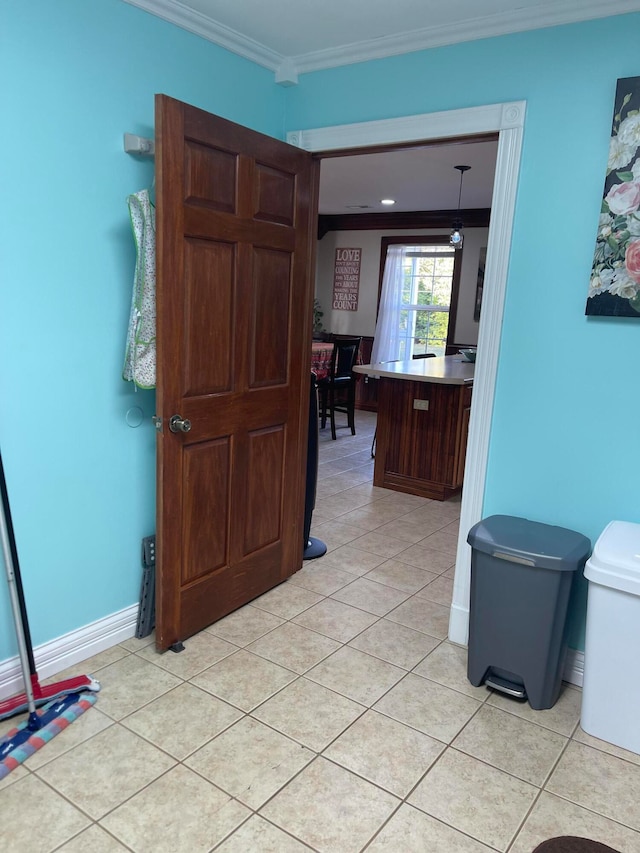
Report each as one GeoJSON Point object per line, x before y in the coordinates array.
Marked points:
{"type": "Point", "coordinates": [387, 201]}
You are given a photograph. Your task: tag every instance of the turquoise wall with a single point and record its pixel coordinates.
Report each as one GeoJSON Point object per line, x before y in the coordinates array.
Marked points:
{"type": "Point", "coordinates": [567, 408]}
{"type": "Point", "coordinates": [75, 77]}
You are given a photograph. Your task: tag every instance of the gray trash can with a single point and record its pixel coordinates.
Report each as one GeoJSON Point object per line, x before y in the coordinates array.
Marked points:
{"type": "Point", "coordinates": [521, 577]}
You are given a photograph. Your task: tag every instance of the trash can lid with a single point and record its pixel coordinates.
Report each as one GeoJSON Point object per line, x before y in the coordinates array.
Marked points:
{"type": "Point", "coordinates": [530, 543]}
{"type": "Point", "coordinates": [615, 561]}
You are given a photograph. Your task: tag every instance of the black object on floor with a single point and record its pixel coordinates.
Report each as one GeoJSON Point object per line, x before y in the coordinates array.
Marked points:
{"type": "Point", "coordinates": [313, 547]}
{"type": "Point", "coordinates": [147, 610]}
{"type": "Point", "coordinates": [573, 844]}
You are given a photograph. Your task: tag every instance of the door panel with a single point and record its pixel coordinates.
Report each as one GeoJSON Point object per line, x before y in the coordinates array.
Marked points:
{"type": "Point", "coordinates": [275, 194]}
{"type": "Point", "coordinates": [263, 519]}
{"type": "Point", "coordinates": [209, 305]}
{"type": "Point", "coordinates": [236, 225]}
{"type": "Point", "coordinates": [205, 483]}
{"type": "Point", "coordinates": [271, 317]}
{"type": "Point", "coordinates": [210, 177]}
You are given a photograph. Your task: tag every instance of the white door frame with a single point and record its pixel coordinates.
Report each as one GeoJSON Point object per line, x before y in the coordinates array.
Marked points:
{"type": "Point", "coordinates": [508, 121]}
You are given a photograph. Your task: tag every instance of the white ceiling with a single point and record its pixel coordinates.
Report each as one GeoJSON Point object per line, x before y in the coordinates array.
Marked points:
{"type": "Point", "coordinates": [291, 37]}
{"type": "Point", "coordinates": [418, 179]}
{"type": "Point", "coordinates": [294, 36]}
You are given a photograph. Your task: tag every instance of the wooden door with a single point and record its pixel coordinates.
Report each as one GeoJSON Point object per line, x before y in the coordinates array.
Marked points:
{"type": "Point", "coordinates": [236, 220]}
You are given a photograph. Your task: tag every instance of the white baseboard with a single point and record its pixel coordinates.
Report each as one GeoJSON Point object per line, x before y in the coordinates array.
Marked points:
{"type": "Point", "coordinates": [77, 646]}
{"type": "Point", "coordinates": [574, 667]}
{"type": "Point", "coordinates": [70, 649]}
{"type": "Point", "coordinates": [459, 625]}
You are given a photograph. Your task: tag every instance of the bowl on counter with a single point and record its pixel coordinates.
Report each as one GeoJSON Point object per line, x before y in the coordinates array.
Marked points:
{"type": "Point", "coordinates": [468, 354]}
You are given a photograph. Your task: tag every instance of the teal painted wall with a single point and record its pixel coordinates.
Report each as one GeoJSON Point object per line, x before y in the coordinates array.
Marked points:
{"type": "Point", "coordinates": [567, 407]}
{"type": "Point", "coordinates": [76, 76]}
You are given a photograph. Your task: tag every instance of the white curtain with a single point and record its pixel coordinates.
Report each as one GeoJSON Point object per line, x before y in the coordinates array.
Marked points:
{"type": "Point", "coordinates": [386, 341]}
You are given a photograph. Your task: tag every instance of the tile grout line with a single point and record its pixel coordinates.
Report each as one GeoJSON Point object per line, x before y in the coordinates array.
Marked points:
{"type": "Point", "coordinates": [365, 708]}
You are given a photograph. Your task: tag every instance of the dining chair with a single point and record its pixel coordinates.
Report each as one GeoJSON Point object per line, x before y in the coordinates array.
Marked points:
{"type": "Point", "coordinates": [337, 390]}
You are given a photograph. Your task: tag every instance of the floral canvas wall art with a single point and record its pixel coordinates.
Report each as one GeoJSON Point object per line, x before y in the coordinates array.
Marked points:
{"type": "Point", "coordinates": [614, 287]}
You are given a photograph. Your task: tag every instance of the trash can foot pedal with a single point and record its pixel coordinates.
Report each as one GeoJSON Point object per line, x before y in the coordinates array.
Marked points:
{"type": "Point", "coordinates": [508, 687]}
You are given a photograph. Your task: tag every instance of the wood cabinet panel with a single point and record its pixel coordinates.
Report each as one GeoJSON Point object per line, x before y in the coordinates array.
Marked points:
{"type": "Point", "coordinates": [422, 450]}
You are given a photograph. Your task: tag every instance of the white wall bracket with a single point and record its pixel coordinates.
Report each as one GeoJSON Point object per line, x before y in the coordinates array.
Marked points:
{"type": "Point", "coordinates": [286, 73]}
{"type": "Point", "coordinates": [139, 145]}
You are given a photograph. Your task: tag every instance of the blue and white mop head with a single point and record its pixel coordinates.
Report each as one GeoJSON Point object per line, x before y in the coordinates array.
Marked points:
{"type": "Point", "coordinates": [43, 725]}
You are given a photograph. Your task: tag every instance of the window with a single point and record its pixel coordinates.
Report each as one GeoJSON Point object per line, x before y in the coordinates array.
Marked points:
{"type": "Point", "coordinates": [419, 286]}
{"type": "Point", "coordinates": [426, 299]}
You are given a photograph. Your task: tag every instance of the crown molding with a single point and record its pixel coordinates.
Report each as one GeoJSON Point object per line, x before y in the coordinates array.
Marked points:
{"type": "Point", "coordinates": [195, 22]}
{"type": "Point", "coordinates": [488, 26]}
{"type": "Point", "coordinates": [287, 68]}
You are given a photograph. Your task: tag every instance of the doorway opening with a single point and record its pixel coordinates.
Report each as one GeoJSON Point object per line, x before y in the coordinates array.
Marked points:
{"type": "Point", "coordinates": [508, 121]}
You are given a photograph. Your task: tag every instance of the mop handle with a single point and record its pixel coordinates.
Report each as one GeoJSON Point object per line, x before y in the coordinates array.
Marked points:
{"type": "Point", "coordinates": [13, 595]}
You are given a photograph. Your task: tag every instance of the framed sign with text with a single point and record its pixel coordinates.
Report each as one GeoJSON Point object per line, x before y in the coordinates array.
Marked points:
{"type": "Point", "coordinates": [346, 279]}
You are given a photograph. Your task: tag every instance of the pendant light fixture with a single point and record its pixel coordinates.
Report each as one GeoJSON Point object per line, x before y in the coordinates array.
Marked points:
{"type": "Point", "coordinates": [456, 237]}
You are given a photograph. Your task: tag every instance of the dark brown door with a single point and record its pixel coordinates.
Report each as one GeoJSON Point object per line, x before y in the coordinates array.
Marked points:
{"type": "Point", "coordinates": [236, 219]}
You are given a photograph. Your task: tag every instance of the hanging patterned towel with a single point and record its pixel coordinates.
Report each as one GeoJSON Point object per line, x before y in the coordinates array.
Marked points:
{"type": "Point", "coordinates": [140, 357]}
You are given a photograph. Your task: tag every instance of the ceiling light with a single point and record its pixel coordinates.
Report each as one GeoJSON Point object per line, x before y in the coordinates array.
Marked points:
{"type": "Point", "coordinates": [387, 201]}
{"type": "Point", "coordinates": [456, 238]}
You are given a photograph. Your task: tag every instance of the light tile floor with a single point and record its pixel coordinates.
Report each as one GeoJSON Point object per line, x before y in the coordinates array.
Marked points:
{"type": "Point", "coordinates": [331, 714]}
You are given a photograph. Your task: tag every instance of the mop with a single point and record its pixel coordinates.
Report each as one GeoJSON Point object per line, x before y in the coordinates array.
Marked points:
{"type": "Point", "coordinates": [60, 703]}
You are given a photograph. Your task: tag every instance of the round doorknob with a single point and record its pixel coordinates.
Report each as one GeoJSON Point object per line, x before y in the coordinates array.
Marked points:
{"type": "Point", "coordinates": [178, 424]}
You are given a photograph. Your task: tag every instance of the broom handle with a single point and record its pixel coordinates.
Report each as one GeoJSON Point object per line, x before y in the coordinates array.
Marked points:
{"type": "Point", "coordinates": [4, 495]}
{"type": "Point", "coordinates": [13, 579]}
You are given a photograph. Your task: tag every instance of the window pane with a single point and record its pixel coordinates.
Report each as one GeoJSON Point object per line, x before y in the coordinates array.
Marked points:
{"type": "Point", "coordinates": [427, 284]}
{"type": "Point", "coordinates": [426, 266]}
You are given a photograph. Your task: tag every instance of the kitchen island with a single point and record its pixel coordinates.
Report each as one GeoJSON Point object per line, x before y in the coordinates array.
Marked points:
{"type": "Point", "coordinates": [423, 420]}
